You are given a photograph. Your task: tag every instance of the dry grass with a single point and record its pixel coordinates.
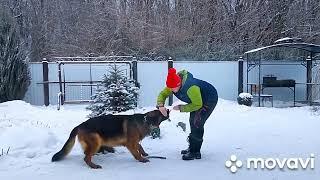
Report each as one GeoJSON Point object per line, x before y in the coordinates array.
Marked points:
{"type": "Point", "coordinates": [5, 151]}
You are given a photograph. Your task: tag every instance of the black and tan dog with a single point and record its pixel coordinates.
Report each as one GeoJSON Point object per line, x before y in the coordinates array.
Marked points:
{"type": "Point", "coordinates": [111, 131]}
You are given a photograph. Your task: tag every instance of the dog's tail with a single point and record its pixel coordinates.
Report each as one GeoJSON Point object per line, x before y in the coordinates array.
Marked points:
{"type": "Point", "coordinates": [67, 146]}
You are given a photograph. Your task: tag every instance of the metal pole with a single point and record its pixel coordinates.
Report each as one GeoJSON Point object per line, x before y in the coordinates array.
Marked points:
{"type": "Point", "coordinates": [240, 75]}
{"type": "Point", "coordinates": [247, 73]}
{"type": "Point", "coordinates": [135, 70]}
{"type": "Point", "coordinates": [294, 95]}
{"type": "Point", "coordinates": [60, 83]}
{"type": "Point", "coordinates": [64, 86]}
{"type": "Point", "coordinates": [135, 73]}
{"type": "Point", "coordinates": [45, 75]}
{"type": "Point", "coordinates": [259, 87]}
{"type": "Point", "coordinates": [309, 79]}
{"type": "Point", "coordinates": [91, 91]}
{"type": "Point", "coordinates": [170, 65]}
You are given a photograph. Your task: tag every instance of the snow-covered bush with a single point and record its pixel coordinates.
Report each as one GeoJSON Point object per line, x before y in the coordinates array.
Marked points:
{"type": "Point", "coordinates": [315, 110]}
{"type": "Point", "coordinates": [245, 99]}
{"type": "Point", "coordinates": [117, 94]}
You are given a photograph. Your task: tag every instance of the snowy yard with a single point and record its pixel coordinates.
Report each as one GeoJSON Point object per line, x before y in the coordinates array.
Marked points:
{"type": "Point", "coordinates": [35, 133]}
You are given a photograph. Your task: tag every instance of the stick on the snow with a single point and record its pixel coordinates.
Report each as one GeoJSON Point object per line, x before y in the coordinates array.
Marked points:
{"type": "Point", "coordinates": [156, 157]}
{"type": "Point", "coordinates": [8, 150]}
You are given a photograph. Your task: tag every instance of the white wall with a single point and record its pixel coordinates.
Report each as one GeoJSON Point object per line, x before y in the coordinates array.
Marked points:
{"type": "Point", "coordinates": [152, 78]}
{"type": "Point", "coordinates": [223, 75]}
{"type": "Point", "coordinates": [34, 94]}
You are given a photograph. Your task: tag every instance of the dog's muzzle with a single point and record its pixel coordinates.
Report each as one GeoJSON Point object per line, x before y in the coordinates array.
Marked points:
{"type": "Point", "coordinates": [154, 131]}
{"type": "Point", "coordinates": [153, 127]}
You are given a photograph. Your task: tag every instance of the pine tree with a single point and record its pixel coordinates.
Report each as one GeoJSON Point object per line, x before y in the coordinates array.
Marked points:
{"type": "Point", "coordinates": [117, 94]}
{"type": "Point", "coordinates": [14, 70]}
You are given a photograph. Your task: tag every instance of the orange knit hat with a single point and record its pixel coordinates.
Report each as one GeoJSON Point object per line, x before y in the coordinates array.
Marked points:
{"type": "Point", "coordinates": [173, 80]}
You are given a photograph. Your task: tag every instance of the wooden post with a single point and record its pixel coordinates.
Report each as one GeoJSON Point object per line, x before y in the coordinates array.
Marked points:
{"type": "Point", "coordinates": [170, 65]}
{"type": "Point", "coordinates": [240, 75]}
{"type": "Point", "coordinates": [45, 77]}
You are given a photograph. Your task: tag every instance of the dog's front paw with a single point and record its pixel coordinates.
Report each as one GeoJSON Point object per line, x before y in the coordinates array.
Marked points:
{"type": "Point", "coordinates": [144, 160]}
{"type": "Point", "coordinates": [94, 166]}
{"type": "Point", "coordinates": [145, 154]}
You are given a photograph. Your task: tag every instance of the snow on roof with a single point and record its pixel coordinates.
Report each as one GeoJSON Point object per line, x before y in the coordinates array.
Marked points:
{"type": "Point", "coordinates": [314, 48]}
{"type": "Point", "coordinates": [283, 39]}
{"type": "Point", "coordinates": [288, 39]}
{"type": "Point", "coordinates": [257, 49]}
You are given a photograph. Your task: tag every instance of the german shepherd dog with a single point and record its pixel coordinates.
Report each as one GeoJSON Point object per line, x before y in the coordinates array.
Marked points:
{"type": "Point", "coordinates": [111, 131]}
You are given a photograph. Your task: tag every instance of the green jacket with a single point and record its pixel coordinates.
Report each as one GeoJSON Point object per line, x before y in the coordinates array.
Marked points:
{"type": "Point", "coordinates": [188, 92]}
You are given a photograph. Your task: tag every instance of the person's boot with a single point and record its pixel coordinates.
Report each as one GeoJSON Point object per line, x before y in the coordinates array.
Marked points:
{"type": "Point", "coordinates": [191, 156]}
{"type": "Point", "coordinates": [197, 154]}
{"type": "Point", "coordinates": [188, 149]}
{"type": "Point", "coordinates": [185, 151]}
{"type": "Point", "coordinates": [194, 152]}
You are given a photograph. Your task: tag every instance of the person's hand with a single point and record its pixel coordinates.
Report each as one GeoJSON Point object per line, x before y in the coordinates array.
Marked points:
{"type": "Point", "coordinates": [163, 111]}
{"type": "Point", "coordinates": [177, 107]}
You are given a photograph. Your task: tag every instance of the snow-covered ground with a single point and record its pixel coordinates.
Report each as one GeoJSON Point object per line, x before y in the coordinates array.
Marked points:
{"type": "Point", "coordinates": [35, 133]}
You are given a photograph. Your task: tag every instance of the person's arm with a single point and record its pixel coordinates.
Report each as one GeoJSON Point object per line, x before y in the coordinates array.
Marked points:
{"type": "Point", "coordinates": [166, 92]}
{"type": "Point", "coordinates": [194, 94]}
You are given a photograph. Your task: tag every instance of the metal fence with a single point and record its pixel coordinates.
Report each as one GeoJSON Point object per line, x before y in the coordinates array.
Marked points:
{"type": "Point", "coordinates": [151, 77]}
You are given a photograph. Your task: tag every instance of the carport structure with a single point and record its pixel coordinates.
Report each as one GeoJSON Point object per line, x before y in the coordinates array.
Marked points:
{"type": "Point", "coordinates": [305, 54]}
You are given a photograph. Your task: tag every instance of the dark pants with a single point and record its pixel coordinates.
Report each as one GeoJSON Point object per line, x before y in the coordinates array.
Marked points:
{"type": "Point", "coordinates": [197, 120]}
